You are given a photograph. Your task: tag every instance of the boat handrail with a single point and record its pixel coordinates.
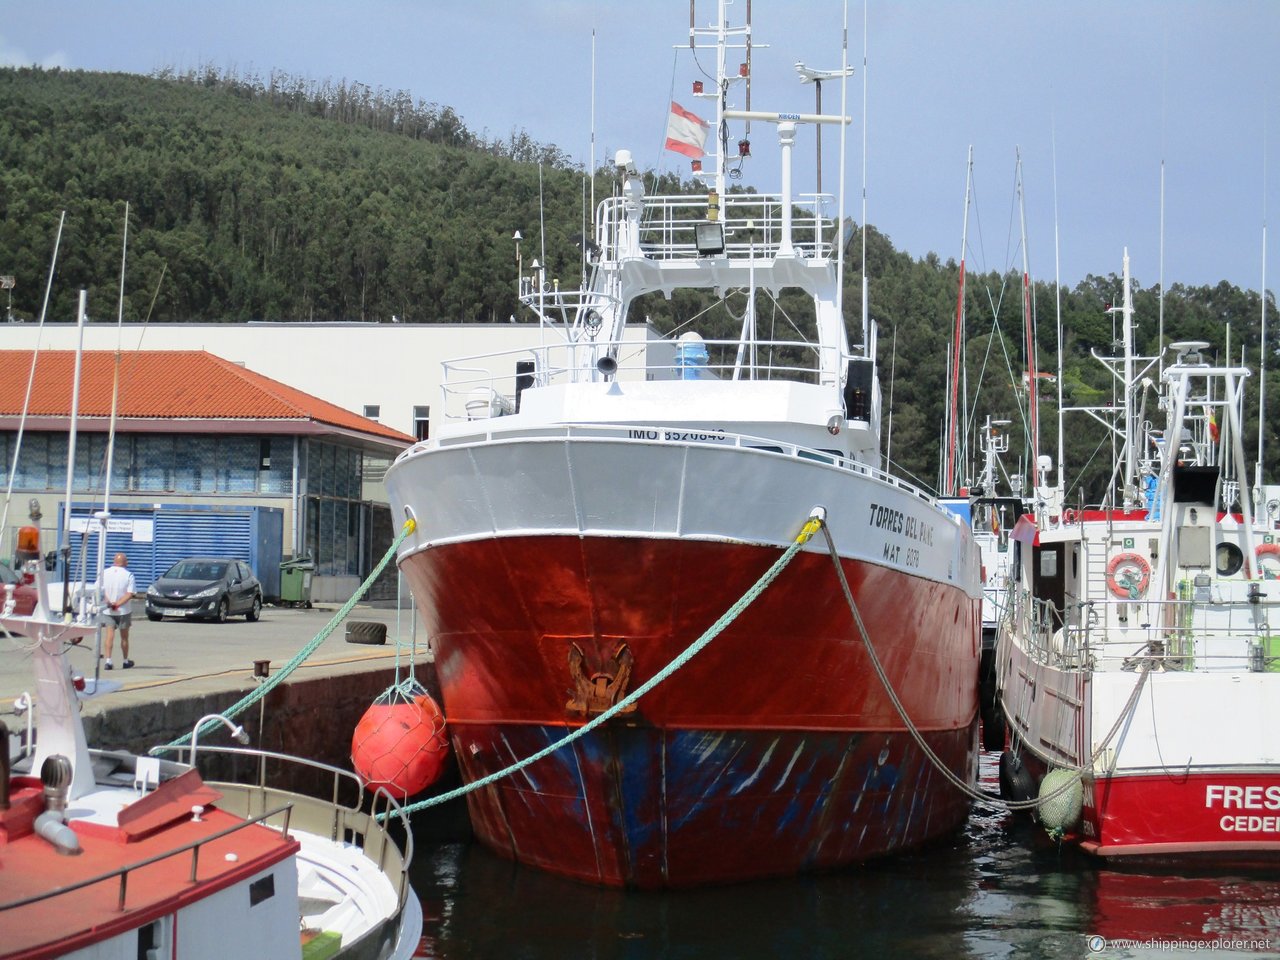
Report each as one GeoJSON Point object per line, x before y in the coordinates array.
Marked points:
{"type": "Point", "coordinates": [1164, 630]}
{"type": "Point", "coordinates": [487, 434]}
{"type": "Point", "coordinates": [339, 820]}
{"type": "Point", "coordinates": [123, 872]}
{"type": "Point", "coordinates": [339, 774]}
{"type": "Point", "coordinates": [466, 378]}
{"type": "Point", "coordinates": [753, 226]}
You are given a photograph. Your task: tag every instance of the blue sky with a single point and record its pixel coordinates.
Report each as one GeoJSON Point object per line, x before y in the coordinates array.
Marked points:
{"type": "Point", "coordinates": [1107, 90]}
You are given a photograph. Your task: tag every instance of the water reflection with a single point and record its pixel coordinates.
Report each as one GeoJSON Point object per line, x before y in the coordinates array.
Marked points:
{"type": "Point", "coordinates": [999, 889]}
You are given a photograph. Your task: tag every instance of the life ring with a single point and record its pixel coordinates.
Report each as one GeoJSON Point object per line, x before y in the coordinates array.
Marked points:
{"type": "Point", "coordinates": [1272, 550]}
{"type": "Point", "coordinates": [1068, 516]}
{"type": "Point", "coordinates": [1127, 588]}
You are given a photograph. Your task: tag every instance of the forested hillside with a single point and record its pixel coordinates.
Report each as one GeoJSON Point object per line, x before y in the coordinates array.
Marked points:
{"type": "Point", "coordinates": [282, 199]}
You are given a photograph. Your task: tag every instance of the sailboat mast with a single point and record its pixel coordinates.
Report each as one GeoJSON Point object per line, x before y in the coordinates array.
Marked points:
{"type": "Point", "coordinates": [1057, 314]}
{"type": "Point", "coordinates": [1029, 332]}
{"type": "Point", "coordinates": [81, 309]}
{"type": "Point", "coordinates": [115, 388]}
{"type": "Point", "coordinates": [1129, 489]}
{"type": "Point", "coordinates": [957, 342]}
{"type": "Point", "coordinates": [1262, 362]}
{"type": "Point", "coordinates": [866, 305]}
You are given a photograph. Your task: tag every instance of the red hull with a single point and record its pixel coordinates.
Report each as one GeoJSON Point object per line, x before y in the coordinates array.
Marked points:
{"type": "Point", "coordinates": [1228, 819]}
{"type": "Point", "coordinates": [1222, 817]}
{"type": "Point", "coordinates": [772, 751]}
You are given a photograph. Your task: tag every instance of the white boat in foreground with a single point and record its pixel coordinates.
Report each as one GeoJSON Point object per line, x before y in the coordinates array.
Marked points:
{"type": "Point", "coordinates": [110, 855]}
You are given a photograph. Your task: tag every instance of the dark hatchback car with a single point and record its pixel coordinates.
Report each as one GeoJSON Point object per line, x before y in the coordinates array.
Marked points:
{"type": "Point", "coordinates": [211, 588]}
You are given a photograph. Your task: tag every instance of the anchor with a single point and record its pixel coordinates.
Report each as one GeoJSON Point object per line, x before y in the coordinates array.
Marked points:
{"type": "Point", "coordinates": [597, 692]}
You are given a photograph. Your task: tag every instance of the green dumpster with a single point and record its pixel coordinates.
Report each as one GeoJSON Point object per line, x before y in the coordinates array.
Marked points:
{"type": "Point", "coordinates": [295, 581]}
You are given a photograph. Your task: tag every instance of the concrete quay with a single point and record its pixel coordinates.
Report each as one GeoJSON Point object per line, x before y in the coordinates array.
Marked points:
{"type": "Point", "coordinates": [184, 670]}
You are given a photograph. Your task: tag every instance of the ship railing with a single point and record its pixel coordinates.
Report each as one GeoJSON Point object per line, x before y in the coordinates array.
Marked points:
{"type": "Point", "coordinates": [689, 435]}
{"type": "Point", "coordinates": [121, 874]}
{"type": "Point", "coordinates": [341, 817]}
{"type": "Point", "coordinates": [490, 384]}
{"type": "Point", "coordinates": [753, 227]}
{"type": "Point", "coordinates": [1034, 621]}
{"type": "Point", "coordinates": [1180, 634]}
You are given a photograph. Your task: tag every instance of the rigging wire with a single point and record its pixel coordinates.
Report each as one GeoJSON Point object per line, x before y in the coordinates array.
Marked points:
{"type": "Point", "coordinates": [31, 377]}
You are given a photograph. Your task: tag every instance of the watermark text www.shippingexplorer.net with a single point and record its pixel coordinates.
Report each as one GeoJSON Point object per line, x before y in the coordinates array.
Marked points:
{"type": "Point", "coordinates": [1097, 944]}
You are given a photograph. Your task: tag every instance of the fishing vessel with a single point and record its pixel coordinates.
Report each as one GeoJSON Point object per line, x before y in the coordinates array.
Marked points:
{"type": "Point", "coordinates": [993, 513]}
{"type": "Point", "coordinates": [1139, 665]}
{"type": "Point", "coordinates": [592, 506]}
{"type": "Point", "coordinates": [108, 854]}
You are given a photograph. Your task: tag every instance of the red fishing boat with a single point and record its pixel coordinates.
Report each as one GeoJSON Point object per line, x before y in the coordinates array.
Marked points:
{"type": "Point", "coordinates": [596, 505]}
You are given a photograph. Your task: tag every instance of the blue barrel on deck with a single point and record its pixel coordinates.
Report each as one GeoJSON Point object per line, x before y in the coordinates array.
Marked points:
{"type": "Point", "coordinates": [692, 360]}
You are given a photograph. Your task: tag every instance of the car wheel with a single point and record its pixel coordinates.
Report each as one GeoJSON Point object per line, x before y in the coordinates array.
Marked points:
{"type": "Point", "coordinates": [224, 608]}
{"type": "Point", "coordinates": [255, 611]}
{"type": "Point", "coordinates": [153, 617]}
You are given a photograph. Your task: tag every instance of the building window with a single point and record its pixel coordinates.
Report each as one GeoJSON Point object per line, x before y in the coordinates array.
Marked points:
{"type": "Point", "coordinates": [372, 411]}
{"type": "Point", "coordinates": [421, 422]}
{"type": "Point", "coordinates": [275, 465]}
{"type": "Point", "coordinates": [334, 526]}
{"type": "Point", "coordinates": [237, 465]}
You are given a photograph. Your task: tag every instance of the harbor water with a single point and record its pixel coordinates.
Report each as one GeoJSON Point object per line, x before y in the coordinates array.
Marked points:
{"type": "Point", "coordinates": [999, 888]}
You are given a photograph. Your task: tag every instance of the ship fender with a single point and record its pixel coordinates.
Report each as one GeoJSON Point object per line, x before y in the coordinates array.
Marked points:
{"type": "Point", "coordinates": [1061, 801]}
{"type": "Point", "coordinates": [1016, 781]}
{"type": "Point", "coordinates": [400, 745]}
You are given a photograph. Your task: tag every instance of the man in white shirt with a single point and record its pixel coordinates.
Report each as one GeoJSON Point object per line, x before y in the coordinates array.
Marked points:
{"type": "Point", "coordinates": [118, 588]}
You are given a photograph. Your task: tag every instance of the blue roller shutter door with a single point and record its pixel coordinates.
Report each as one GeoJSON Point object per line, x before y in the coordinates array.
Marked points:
{"type": "Point", "coordinates": [84, 547]}
{"type": "Point", "coordinates": [175, 535]}
{"type": "Point", "coordinates": [204, 534]}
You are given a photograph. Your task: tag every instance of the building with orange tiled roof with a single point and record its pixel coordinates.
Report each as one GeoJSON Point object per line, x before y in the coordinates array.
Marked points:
{"type": "Point", "coordinates": [208, 457]}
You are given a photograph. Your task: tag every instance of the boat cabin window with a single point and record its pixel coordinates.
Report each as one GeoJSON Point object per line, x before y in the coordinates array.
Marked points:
{"type": "Point", "coordinates": [858, 388]}
{"type": "Point", "coordinates": [154, 940]}
{"type": "Point", "coordinates": [1050, 584]}
{"type": "Point", "coordinates": [1229, 559]}
{"type": "Point", "coordinates": [1048, 563]}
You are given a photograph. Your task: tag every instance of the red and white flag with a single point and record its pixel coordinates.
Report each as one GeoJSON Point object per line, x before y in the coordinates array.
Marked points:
{"type": "Point", "coordinates": [686, 132]}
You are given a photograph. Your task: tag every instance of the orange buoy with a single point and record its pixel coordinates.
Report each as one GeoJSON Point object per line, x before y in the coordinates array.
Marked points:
{"type": "Point", "coordinates": [400, 745]}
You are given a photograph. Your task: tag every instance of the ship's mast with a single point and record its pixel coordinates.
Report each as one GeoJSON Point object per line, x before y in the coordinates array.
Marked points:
{"type": "Point", "coordinates": [1029, 334]}
{"type": "Point", "coordinates": [957, 348]}
{"type": "Point", "coordinates": [1262, 363]}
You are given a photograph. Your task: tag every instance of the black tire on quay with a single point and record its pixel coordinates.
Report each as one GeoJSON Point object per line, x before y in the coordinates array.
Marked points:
{"type": "Point", "coordinates": [255, 611]}
{"type": "Point", "coordinates": [366, 631]}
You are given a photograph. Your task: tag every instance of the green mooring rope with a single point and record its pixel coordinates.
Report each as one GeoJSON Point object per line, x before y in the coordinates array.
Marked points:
{"type": "Point", "coordinates": [810, 528]}
{"type": "Point", "coordinates": [282, 674]}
